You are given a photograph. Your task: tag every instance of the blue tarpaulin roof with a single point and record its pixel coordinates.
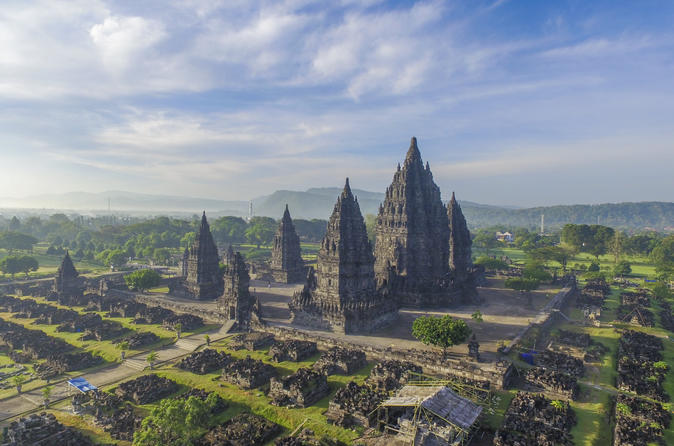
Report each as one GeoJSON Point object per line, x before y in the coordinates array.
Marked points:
{"type": "Point", "coordinates": [82, 385]}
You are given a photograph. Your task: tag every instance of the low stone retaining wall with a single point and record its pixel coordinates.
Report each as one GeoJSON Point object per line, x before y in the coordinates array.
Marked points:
{"type": "Point", "coordinates": [547, 316]}
{"type": "Point", "coordinates": [498, 374]}
{"type": "Point", "coordinates": [179, 307]}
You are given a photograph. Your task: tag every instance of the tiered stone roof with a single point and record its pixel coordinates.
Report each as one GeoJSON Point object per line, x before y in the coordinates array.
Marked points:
{"type": "Point", "coordinates": [236, 302]}
{"type": "Point", "coordinates": [204, 279]}
{"type": "Point", "coordinates": [342, 295]}
{"type": "Point", "coordinates": [286, 258]}
{"type": "Point", "coordinates": [412, 249]}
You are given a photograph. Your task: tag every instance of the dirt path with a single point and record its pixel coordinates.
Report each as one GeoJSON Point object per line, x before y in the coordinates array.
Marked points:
{"type": "Point", "coordinates": [30, 400]}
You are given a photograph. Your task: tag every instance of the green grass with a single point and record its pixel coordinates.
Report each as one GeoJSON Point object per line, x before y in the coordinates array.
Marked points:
{"type": "Point", "coordinates": [592, 410]}
{"type": "Point", "coordinates": [256, 401]}
{"type": "Point", "coordinates": [161, 289]}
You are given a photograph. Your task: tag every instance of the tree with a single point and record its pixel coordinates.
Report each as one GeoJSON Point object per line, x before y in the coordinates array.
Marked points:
{"type": "Point", "coordinates": [661, 291]}
{"type": "Point", "coordinates": [616, 246]}
{"type": "Point", "coordinates": [151, 359]}
{"type": "Point", "coordinates": [485, 240]}
{"type": "Point", "coordinates": [622, 268]}
{"type": "Point", "coordinates": [207, 339]}
{"type": "Point", "coordinates": [560, 254]}
{"type": "Point", "coordinates": [12, 240]}
{"type": "Point", "coordinates": [14, 224]}
{"type": "Point", "coordinates": [594, 267]}
{"type": "Point", "coordinates": [442, 331]}
{"type": "Point", "coordinates": [10, 265]}
{"type": "Point", "coordinates": [491, 264]}
{"type": "Point", "coordinates": [46, 393]}
{"type": "Point", "coordinates": [536, 271]}
{"type": "Point", "coordinates": [161, 255]}
{"type": "Point", "coordinates": [523, 285]}
{"type": "Point", "coordinates": [27, 264]}
{"type": "Point", "coordinates": [179, 329]}
{"type": "Point", "coordinates": [229, 229]}
{"type": "Point", "coordinates": [662, 257]}
{"type": "Point", "coordinates": [175, 422]}
{"type": "Point", "coordinates": [18, 381]}
{"type": "Point", "coordinates": [143, 279]}
{"type": "Point", "coordinates": [261, 231]}
{"type": "Point", "coordinates": [477, 316]}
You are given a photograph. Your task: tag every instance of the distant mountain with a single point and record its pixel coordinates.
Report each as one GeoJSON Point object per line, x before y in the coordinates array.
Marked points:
{"type": "Point", "coordinates": [125, 201]}
{"type": "Point", "coordinates": [319, 202]}
{"type": "Point", "coordinates": [314, 203]}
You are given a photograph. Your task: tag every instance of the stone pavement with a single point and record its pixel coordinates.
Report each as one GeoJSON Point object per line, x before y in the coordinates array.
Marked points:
{"type": "Point", "coordinates": [30, 400]}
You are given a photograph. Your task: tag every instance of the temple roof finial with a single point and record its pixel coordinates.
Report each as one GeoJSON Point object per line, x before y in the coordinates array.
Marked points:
{"type": "Point", "coordinates": [413, 153]}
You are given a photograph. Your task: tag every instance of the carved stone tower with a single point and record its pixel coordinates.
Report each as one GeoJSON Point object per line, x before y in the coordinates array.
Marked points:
{"type": "Point", "coordinates": [67, 280]}
{"type": "Point", "coordinates": [236, 302]}
{"type": "Point", "coordinates": [341, 296]}
{"type": "Point", "coordinates": [460, 261]}
{"type": "Point", "coordinates": [286, 259]}
{"type": "Point", "coordinates": [204, 279]}
{"type": "Point", "coordinates": [412, 248]}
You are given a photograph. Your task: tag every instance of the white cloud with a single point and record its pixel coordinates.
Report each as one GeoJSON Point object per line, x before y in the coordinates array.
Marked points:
{"type": "Point", "coordinates": [122, 41]}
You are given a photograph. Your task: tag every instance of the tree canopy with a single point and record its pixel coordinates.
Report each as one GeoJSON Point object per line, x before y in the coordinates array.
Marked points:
{"type": "Point", "coordinates": [143, 279]}
{"type": "Point", "coordinates": [16, 241]}
{"type": "Point", "coordinates": [175, 422]}
{"type": "Point", "coordinates": [663, 257]}
{"type": "Point", "coordinates": [443, 331]}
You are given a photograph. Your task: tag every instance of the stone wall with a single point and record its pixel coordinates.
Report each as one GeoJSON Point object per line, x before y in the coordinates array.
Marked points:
{"type": "Point", "coordinates": [178, 307]}
{"type": "Point", "coordinates": [498, 374]}
{"type": "Point", "coordinates": [549, 315]}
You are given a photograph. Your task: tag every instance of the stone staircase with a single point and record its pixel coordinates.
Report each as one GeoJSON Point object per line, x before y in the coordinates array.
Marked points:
{"type": "Point", "coordinates": [190, 344]}
{"type": "Point", "coordinates": [136, 363]}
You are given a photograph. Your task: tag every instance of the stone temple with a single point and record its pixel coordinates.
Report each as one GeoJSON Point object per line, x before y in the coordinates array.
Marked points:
{"type": "Point", "coordinates": [201, 267]}
{"type": "Point", "coordinates": [236, 302]}
{"type": "Point", "coordinates": [341, 294]}
{"type": "Point", "coordinates": [287, 265]}
{"type": "Point", "coordinates": [461, 270]}
{"type": "Point", "coordinates": [412, 247]}
{"type": "Point", "coordinates": [67, 281]}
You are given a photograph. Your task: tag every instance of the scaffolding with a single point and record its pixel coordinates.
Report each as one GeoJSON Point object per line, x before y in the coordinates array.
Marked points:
{"type": "Point", "coordinates": [429, 411]}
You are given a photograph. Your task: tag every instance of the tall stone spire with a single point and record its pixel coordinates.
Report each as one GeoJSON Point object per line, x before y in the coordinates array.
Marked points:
{"type": "Point", "coordinates": [67, 278]}
{"type": "Point", "coordinates": [204, 280]}
{"type": "Point", "coordinates": [342, 295]}
{"type": "Point", "coordinates": [286, 258]}
{"type": "Point", "coordinates": [412, 231]}
{"type": "Point", "coordinates": [460, 262]}
{"type": "Point", "coordinates": [236, 302]}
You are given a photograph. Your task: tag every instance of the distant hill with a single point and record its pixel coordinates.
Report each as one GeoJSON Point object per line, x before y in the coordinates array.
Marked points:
{"type": "Point", "coordinates": [642, 215]}
{"type": "Point", "coordinates": [319, 202]}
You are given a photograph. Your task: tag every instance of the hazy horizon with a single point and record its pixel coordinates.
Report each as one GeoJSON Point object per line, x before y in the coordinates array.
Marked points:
{"type": "Point", "coordinates": [513, 103]}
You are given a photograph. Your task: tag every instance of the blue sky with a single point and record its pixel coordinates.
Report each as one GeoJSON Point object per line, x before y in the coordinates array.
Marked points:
{"type": "Point", "coordinates": [513, 102]}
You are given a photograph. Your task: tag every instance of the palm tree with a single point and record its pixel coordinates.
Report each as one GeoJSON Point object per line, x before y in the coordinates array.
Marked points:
{"type": "Point", "coordinates": [151, 358]}
{"type": "Point", "coordinates": [18, 381]}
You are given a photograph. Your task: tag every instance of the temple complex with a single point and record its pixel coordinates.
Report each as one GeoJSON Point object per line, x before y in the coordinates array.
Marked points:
{"type": "Point", "coordinates": [341, 294]}
{"type": "Point", "coordinates": [202, 277]}
{"type": "Point", "coordinates": [286, 259]}
{"type": "Point", "coordinates": [412, 248]}
{"type": "Point", "coordinates": [67, 281]}
{"type": "Point", "coordinates": [236, 302]}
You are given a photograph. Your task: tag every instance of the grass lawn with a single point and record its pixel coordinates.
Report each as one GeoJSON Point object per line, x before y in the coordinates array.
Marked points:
{"type": "Point", "coordinates": [592, 410]}
{"type": "Point", "coordinates": [256, 401]}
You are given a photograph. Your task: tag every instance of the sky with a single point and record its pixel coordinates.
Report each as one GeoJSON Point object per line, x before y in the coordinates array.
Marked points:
{"type": "Point", "coordinates": [513, 102]}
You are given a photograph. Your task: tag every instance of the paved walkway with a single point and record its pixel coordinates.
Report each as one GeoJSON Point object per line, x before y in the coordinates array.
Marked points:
{"type": "Point", "coordinates": [30, 400]}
